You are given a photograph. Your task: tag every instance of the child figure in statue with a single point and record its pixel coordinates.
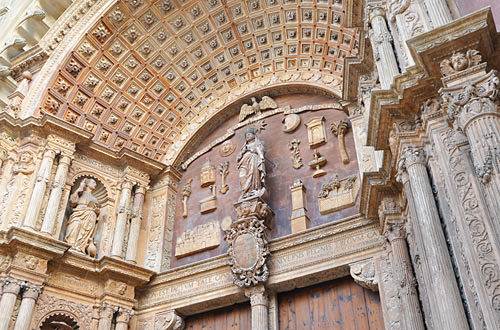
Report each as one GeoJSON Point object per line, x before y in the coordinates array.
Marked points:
{"type": "Point", "coordinates": [82, 223]}
{"type": "Point", "coordinates": [251, 166]}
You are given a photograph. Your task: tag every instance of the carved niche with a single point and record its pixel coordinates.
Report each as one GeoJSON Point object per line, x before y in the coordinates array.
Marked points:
{"type": "Point", "coordinates": [338, 194]}
{"type": "Point", "coordinates": [200, 238]}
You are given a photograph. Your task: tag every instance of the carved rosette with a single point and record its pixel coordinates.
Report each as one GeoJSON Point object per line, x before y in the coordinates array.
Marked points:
{"type": "Point", "coordinates": [248, 248]}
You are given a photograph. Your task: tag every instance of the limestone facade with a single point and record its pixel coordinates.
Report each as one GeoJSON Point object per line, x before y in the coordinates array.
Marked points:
{"type": "Point", "coordinates": [168, 138]}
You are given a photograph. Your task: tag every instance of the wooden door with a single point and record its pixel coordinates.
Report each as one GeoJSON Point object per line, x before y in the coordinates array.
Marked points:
{"type": "Point", "coordinates": [339, 304]}
{"type": "Point", "coordinates": [233, 317]}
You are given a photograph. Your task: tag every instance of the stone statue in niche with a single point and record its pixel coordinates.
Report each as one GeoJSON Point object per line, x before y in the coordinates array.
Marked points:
{"type": "Point", "coordinates": [256, 107]}
{"type": "Point", "coordinates": [83, 220]}
{"type": "Point", "coordinates": [251, 166]}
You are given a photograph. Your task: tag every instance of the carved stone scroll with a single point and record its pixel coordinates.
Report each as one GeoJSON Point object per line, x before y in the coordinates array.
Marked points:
{"type": "Point", "coordinates": [169, 320]}
{"type": "Point", "coordinates": [316, 131]}
{"type": "Point", "coordinates": [186, 192]}
{"type": "Point", "coordinates": [294, 149]}
{"type": "Point", "coordinates": [363, 273]}
{"type": "Point", "coordinates": [338, 194]}
{"type": "Point", "coordinates": [339, 128]}
{"type": "Point", "coordinates": [200, 238]}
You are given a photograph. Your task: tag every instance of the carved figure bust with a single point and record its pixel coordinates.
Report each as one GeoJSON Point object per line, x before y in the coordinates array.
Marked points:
{"type": "Point", "coordinates": [251, 166]}
{"type": "Point", "coordinates": [460, 61]}
{"type": "Point", "coordinates": [83, 220]}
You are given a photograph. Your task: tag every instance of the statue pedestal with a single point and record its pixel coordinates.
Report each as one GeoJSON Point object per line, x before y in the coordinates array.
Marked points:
{"type": "Point", "coordinates": [247, 240]}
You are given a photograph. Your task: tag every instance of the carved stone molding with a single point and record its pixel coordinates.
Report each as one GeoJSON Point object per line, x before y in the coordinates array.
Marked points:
{"type": "Point", "coordinates": [363, 273]}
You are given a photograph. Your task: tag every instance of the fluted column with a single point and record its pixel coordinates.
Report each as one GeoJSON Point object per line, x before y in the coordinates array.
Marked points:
{"type": "Point", "coordinates": [404, 274]}
{"type": "Point", "coordinates": [259, 304]}
{"type": "Point", "coordinates": [106, 313]}
{"type": "Point", "coordinates": [42, 180]}
{"type": "Point", "coordinates": [123, 318]}
{"type": "Point", "coordinates": [55, 194]}
{"type": "Point", "coordinates": [11, 289]}
{"type": "Point", "coordinates": [121, 219]}
{"type": "Point", "coordinates": [29, 297]}
{"type": "Point", "coordinates": [473, 105]}
{"type": "Point", "coordinates": [439, 12]}
{"type": "Point", "coordinates": [383, 52]}
{"type": "Point", "coordinates": [444, 297]}
{"type": "Point", "coordinates": [135, 224]}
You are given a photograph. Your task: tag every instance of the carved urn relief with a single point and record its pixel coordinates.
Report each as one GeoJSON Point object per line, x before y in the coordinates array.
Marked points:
{"type": "Point", "coordinates": [207, 175]}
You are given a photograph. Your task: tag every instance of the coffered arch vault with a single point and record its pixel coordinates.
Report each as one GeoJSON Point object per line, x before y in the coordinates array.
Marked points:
{"type": "Point", "coordinates": [146, 74]}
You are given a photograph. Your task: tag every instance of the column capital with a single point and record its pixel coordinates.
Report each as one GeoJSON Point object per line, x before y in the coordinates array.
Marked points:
{"type": "Point", "coordinates": [61, 144]}
{"type": "Point", "coordinates": [65, 159]}
{"type": "Point", "coordinates": [49, 153]}
{"type": "Point", "coordinates": [126, 184]}
{"type": "Point", "coordinates": [395, 231]}
{"type": "Point", "coordinates": [141, 189]}
{"type": "Point", "coordinates": [11, 286]}
{"type": "Point", "coordinates": [389, 209]}
{"type": "Point", "coordinates": [375, 10]}
{"type": "Point", "coordinates": [31, 291]}
{"type": "Point", "coordinates": [124, 315]}
{"type": "Point", "coordinates": [257, 295]}
{"type": "Point", "coordinates": [413, 155]}
{"type": "Point", "coordinates": [107, 311]}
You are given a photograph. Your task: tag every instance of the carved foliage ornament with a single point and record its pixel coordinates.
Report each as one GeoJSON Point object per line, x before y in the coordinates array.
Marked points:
{"type": "Point", "coordinates": [168, 321]}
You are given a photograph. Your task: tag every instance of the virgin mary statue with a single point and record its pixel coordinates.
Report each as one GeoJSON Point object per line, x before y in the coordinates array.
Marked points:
{"type": "Point", "coordinates": [83, 221]}
{"type": "Point", "coordinates": [251, 167]}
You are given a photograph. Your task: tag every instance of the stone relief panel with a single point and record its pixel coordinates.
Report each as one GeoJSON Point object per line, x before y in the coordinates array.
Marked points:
{"type": "Point", "coordinates": [278, 165]}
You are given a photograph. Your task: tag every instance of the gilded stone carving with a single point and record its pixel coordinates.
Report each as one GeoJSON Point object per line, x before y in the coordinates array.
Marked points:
{"type": "Point", "coordinates": [316, 131]}
{"type": "Point", "coordinates": [460, 61]}
{"type": "Point", "coordinates": [256, 107]}
{"type": "Point", "coordinates": [294, 149]}
{"type": "Point", "coordinates": [291, 122]}
{"type": "Point", "coordinates": [318, 162]}
{"type": "Point", "coordinates": [339, 128]}
{"type": "Point", "coordinates": [338, 194]}
{"type": "Point", "coordinates": [200, 238]}
{"type": "Point", "coordinates": [251, 167]}
{"type": "Point", "coordinates": [186, 192]}
{"type": "Point", "coordinates": [207, 175]}
{"type": "Point", "coordinates": [83, 220]}
{"type": "Point", "coordinates": [209, 203]}
{"type": "Point", "coordinates": [224, 171]}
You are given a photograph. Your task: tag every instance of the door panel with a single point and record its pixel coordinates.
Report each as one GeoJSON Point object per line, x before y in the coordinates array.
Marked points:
{"type": "Point", "coordinates": [339, 304]}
